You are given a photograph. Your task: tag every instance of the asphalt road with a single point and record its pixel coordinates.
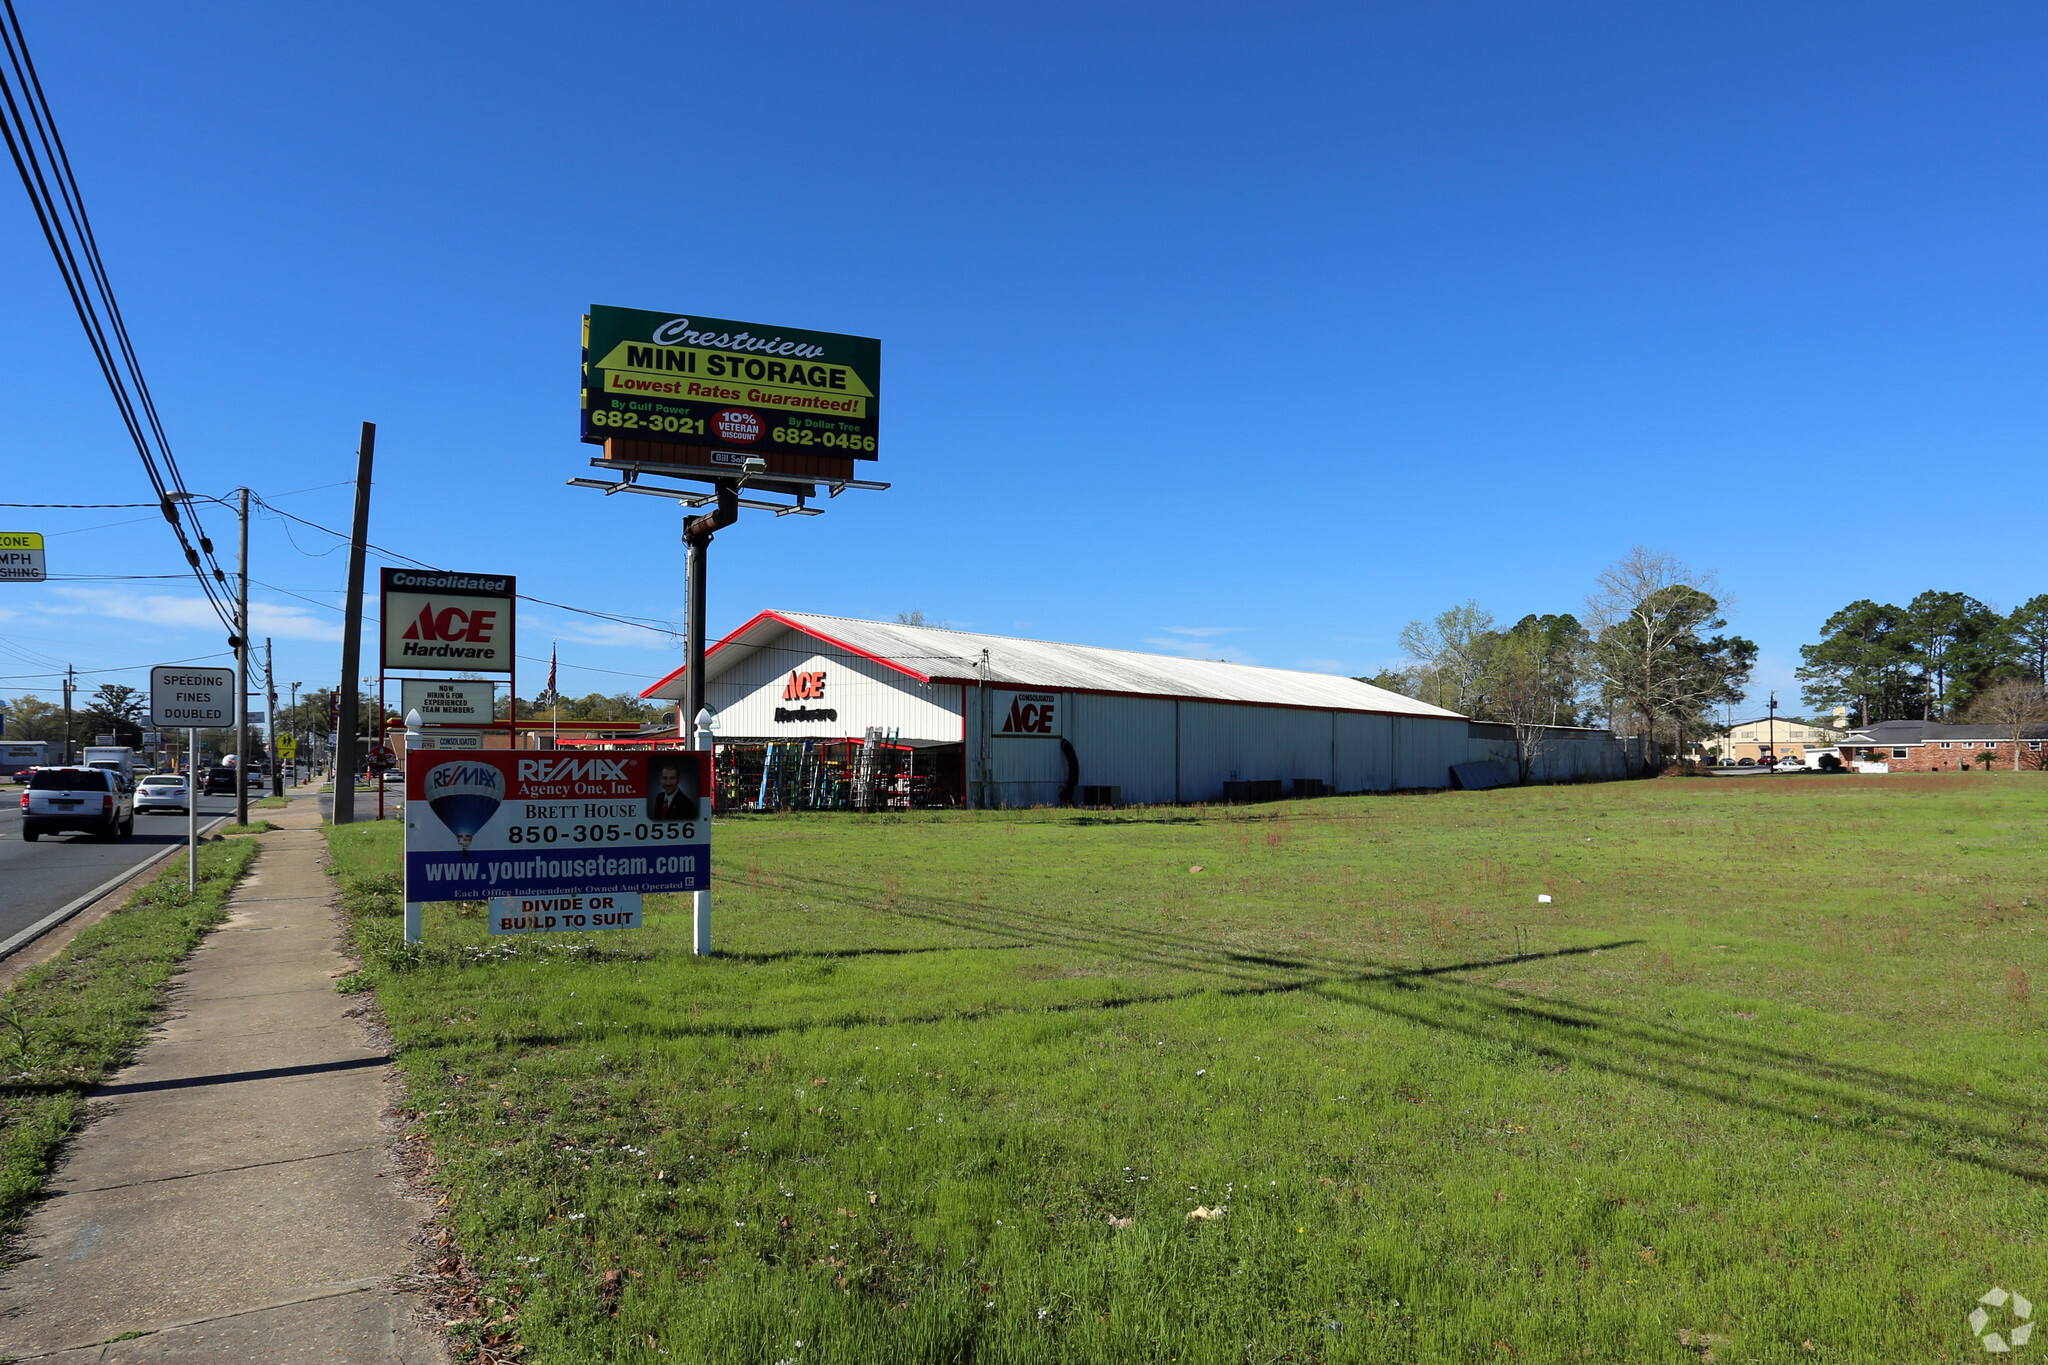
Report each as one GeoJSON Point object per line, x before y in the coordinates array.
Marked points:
{"type": "Point", "coordinates": [37, 878]}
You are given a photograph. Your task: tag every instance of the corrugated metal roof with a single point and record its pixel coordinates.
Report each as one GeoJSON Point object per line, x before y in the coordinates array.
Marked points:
{"type": "Point", "coordinates": [933, 654]}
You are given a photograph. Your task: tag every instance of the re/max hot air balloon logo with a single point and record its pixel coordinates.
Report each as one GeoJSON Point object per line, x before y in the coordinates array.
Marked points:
{"type": "Point", "coordinates": [464, 796]}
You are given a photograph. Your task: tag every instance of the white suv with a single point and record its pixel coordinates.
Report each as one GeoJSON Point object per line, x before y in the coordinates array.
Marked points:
{"type": "Point", "coordinates": [92, 799]}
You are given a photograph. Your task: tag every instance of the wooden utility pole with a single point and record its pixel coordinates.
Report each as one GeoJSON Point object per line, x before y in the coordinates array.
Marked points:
{"type": "Point", "coordinates": [242, 676]}
{"type": "Point", "coordinates": [345, 756]}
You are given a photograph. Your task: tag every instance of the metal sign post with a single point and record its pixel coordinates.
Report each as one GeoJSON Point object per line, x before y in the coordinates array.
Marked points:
{"type": "Point", "coordinates": [191, 812]}
{"type": "Point", "coordinates": [184, 698]}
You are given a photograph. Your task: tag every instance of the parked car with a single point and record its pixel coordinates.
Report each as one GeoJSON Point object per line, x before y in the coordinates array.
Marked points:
{"type": "Point", "coordinates": [219, 782]}
{"type": "Point", "coordinates": [92, 799]}
{"type": "Point", "coordinates": [161, 792]}
{"type": "Point", "coordinates": [1789, 764]}
{"type": "Point", "coordinates": [1745, 763]}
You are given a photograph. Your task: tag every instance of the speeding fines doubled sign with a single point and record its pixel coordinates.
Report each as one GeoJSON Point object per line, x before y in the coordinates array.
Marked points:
{"type": "Point", "coordinates": [733, 386]}
{"type": "Point", "coordinates": [556, 841]}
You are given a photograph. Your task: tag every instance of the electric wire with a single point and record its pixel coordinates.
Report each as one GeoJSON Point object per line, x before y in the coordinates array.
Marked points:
{"type": "Point", "coordinates": [29, 123]}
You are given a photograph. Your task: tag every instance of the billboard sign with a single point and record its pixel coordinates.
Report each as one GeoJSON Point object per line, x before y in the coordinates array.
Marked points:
{"type": "Point", "coordinates": [449, 701]}
{"type": "Point", "coordinates": [21, 557]}
{"type": "Point", "coordinates": [498, 824]}
{"type": "Point", "coordinates": [186, 698]}
{"type": "Point", "coordinates": [739, 388]}
{"type": "Point", "coordinates": [447, 620]}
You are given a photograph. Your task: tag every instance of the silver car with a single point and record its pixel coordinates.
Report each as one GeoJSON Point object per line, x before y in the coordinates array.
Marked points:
{"type": "Point", "coordinates": [162, 792]}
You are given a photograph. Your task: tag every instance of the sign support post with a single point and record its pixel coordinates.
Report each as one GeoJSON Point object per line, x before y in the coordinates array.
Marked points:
{"type": "Point", "coordinates": [700, 901]}
{"type": "Point", "coordinates": [415, 911]}
{"type": "Point", "coordinates": [182, 698]}
{"type": "Point", "coordinates": [192, 789]}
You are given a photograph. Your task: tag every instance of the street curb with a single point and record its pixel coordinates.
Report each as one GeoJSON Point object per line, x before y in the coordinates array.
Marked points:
{"type": "Point", "coordinates": [57, 917]}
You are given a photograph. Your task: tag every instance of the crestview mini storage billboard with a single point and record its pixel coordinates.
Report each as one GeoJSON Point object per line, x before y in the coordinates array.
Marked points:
{"type": "Point", "coordinates": [460, 621]}
{"type": "Point", "coordinates": [506, 823]}
{"type": "Point", "coordinates": [733, 386]}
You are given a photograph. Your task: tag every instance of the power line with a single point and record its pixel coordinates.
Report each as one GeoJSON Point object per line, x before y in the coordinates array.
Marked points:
{"type": "Point", "coordinates": [30, 125]}
{"type": "Point", "coordinates": [648, 623]}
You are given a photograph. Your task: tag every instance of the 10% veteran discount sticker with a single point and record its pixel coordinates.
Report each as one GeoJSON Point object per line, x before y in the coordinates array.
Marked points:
{"type": "Point", "coordinates": [557, 841]}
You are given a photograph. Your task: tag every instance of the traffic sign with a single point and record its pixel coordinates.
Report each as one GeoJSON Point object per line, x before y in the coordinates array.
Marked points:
{"type": "Point", "coordinates": [184, 698]}
{"type": "Point", "coordinates": [21, 557]}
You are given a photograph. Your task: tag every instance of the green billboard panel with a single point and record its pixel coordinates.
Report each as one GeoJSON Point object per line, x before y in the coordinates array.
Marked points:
{"type": "Point", "coordinates": [729, 386]}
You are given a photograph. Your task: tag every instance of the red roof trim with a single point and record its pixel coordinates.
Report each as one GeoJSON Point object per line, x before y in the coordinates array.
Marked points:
{"type": "Point", "coordinates": [1201, 701]}
{"type": "Point", "coordinates": [801, 629]}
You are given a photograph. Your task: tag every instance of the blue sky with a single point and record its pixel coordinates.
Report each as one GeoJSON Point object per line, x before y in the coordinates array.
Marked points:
{"type": "Point", "coordinates": [1245, 333]}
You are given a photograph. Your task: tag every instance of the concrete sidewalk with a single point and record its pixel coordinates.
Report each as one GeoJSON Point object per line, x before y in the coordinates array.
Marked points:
{"type": "Point", "coordinates": [233, 1197]}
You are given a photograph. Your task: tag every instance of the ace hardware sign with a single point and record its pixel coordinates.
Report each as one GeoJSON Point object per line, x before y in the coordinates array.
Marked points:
{"type": "Point", "coordinates": [733, 386]}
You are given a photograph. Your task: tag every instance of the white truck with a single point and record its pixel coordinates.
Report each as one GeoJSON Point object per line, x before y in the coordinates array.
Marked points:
{"type": "Point", "coordinates": [115, 757]}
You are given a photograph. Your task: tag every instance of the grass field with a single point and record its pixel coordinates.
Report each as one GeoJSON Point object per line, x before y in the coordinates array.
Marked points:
{"type": "Point", "coordinates": [1315, 1082]}
{"type": "Point", "coordinates": [68, 1024]}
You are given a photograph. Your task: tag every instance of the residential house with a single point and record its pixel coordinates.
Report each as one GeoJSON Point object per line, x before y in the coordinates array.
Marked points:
{"type": "Point", "coordinates": [1929, 746]}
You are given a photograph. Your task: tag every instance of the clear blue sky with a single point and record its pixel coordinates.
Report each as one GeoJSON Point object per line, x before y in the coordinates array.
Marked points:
{"type": "Point", "coordinates": [1245, 332]}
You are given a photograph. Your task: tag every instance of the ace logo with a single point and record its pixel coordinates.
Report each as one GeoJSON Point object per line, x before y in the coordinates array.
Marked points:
{"type": "Point", "coordinates": [1032, 714]}
{"type": "Point", "coordinates": [452, 623]}
{"type": "Point", "coordinates": [804, 686]}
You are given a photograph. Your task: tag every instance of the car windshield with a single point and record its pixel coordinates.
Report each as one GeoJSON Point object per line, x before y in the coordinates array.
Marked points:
{"type": "Point", "coordinates": [163, 781]}
{"type": "Point", "coordinates": [68, 780]}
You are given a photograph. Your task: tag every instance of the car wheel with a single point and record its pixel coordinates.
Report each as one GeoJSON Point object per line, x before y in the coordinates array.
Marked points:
{"type": "Point", "coordinates": [128, 830]}
{"type": "Point", "coordinates": [31, 834]}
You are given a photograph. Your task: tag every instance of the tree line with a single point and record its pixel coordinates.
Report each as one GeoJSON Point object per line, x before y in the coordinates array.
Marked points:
{"type": "Point", "coordinates": [1649, 656]}
{"type": "Point", "coordinates": [1935, 658]}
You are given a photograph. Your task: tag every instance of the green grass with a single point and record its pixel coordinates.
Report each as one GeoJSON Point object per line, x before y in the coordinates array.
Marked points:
{"type": "Point", "coordinates": [73, 1021]}
{"type": "Point", "coordinates": [272, 803]}
{"type": "Point", "coordinates": [1767, 1068]}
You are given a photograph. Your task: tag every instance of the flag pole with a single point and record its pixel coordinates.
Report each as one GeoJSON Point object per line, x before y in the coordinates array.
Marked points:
{"type": "Point", "coordinates": [554, 696]}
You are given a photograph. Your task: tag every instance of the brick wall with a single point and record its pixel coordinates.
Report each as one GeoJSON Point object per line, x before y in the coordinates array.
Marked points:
{"type": "Point", "coordinates": [1929, 758]}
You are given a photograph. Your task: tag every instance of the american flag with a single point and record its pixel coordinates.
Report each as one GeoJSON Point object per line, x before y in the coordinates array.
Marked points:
{"type": "Point", "coordinates": [551, 668]}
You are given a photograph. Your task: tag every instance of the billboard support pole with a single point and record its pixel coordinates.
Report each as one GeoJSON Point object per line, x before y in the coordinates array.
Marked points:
{"type": "Point", "coordinates": [345, 756]}
{"type": "Point", "coordinates": [697, 533]}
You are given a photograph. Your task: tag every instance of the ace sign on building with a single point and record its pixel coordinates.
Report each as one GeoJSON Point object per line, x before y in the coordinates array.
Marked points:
{"type": "Point", "coordinates": [460, 621]}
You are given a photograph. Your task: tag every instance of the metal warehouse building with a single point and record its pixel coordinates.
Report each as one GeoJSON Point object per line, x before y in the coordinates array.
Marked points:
{"type": "Point", "coordinates": [987, 720]}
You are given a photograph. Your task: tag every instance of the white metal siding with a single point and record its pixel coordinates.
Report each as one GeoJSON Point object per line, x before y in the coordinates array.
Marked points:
{"type": "Point", "coordinates": [746, 695]}
{"type": "Point", "coordinates": [1365, 752]}
{"type": "Point", "coordinates": [1124, 742]}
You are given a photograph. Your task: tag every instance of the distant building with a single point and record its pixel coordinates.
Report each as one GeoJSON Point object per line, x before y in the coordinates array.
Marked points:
{"type": "Point", "coordinates": [824, 712]}
{"type": "Point", "coordinates": [1929, 746]}
{"type": "Point", "coordinates": [1785, 737]}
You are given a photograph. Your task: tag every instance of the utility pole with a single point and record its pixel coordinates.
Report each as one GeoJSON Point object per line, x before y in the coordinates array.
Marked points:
{"type": "Point", "coordinates": [293, 716]}
{"type": "Point", "coordinates": [352, 638]}
{"type": "Point", "coordinates": [70, 682]}
{"type": "Point", "coordinates": [1772, 742]}
{"type": "Point", "coordinates": [270, 722]}
{"type": "Point", "coordinates": [242, 674]}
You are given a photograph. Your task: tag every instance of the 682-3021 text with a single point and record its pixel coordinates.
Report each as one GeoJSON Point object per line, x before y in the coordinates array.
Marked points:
{"type": "Point", "coordinates": [653, 832]}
